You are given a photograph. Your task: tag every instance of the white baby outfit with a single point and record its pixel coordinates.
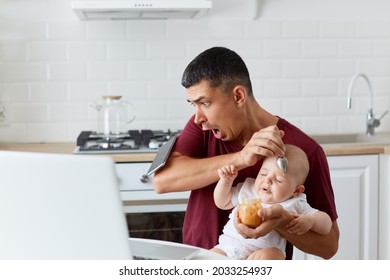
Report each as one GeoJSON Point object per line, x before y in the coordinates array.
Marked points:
{"type": "Point", "coordinates": [236, 246]}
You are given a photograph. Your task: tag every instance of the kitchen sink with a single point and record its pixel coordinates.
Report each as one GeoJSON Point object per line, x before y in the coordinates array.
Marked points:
{"type": "Point", "coordinates": [378, 138]}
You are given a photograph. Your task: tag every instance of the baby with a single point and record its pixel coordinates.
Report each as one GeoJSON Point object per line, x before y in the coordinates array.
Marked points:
{"type": "Point", "coordinates": [271, 186]}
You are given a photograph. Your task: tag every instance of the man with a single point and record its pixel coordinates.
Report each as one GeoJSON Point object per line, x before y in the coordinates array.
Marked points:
{"type": "Point", "coordinates": [231, 128]}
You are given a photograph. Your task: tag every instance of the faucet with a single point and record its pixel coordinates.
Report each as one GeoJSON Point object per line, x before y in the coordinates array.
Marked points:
{"type": "Point", "coordinates": [372, 122]}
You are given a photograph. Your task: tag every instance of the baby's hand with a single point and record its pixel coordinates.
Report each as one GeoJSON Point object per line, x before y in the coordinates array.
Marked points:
{"type": "Point", "coordinates": [227, 172]}
{"type": "Point", "coordinates": [301, 224]}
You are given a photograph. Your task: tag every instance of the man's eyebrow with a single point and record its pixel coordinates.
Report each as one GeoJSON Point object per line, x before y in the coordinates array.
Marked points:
{"type": "Point", "coordinates": [196, 100]}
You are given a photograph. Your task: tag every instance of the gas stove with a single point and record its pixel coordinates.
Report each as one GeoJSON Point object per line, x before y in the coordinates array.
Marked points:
{"type": "Point", "coordinates": [132, 141]}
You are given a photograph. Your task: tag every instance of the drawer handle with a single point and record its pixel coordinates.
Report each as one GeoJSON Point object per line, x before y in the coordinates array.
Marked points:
{"type": "Point", "coordinates": [144, 178]}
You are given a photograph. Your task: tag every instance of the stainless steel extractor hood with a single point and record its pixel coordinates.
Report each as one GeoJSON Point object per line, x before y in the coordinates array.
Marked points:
{"type": "Point", "coordinates": [140, 9]}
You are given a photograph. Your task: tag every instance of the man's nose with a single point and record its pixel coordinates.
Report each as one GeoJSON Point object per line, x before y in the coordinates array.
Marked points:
{"type": "Point", "coordinates": [199, 116]}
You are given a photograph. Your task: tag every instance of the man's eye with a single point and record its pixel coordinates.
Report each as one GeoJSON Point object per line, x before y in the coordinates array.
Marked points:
{"type": "Point", "coordinates": [206, 104]}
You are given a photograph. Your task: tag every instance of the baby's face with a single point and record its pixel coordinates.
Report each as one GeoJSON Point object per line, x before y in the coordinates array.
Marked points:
{"type": "Point", "coordinates": [272, 185]}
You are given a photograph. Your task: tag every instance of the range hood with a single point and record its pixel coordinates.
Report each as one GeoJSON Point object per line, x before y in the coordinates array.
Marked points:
{"type": "Point", "coordinates": [140, 9]}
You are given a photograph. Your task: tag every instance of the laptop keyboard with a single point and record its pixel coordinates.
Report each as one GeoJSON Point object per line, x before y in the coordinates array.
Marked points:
{"type": "Point", "coordinates": [143, 258]}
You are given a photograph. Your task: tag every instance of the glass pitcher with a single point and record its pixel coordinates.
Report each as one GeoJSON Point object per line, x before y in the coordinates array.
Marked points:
{"type": "Point", "coordinates": [114, 115]}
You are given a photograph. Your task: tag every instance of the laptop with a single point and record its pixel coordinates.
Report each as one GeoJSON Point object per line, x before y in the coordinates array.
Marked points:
{"type": "Point", "coordinates": [147, 249]}
{"type": "Point", "coordinates": [57, 206]}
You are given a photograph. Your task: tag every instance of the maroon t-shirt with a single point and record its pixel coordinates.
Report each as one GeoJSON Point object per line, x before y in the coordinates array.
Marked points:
{"type": "Point", "coordinates": [204, 222]}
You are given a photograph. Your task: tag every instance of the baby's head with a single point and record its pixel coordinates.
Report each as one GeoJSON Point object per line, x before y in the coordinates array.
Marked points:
{"type": "Point", "coordinates": [298, 163]}
{"type": "Point", "coordinates": [275, 186]}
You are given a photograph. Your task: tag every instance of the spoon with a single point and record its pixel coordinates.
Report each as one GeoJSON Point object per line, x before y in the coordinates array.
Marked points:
{"type": "Point", "coordinates": [282, 164]}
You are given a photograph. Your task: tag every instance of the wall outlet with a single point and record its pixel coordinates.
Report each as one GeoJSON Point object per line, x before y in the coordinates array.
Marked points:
{"type": "Point", "coordinates": [4, 113]}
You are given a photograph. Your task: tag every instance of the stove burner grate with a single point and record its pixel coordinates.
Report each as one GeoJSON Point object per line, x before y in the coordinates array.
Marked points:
{"type": "Point", "coordinates": [140, 140]}
{"type": "Point", "coordinates": [99, 147]}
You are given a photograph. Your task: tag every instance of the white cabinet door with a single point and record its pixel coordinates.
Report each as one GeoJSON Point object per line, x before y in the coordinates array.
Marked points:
{"type": "Point", "coordinates": [384, 214]}
{"type": "Point", "coordinates": [138, 194]}
{"type": "Point", "coordinates": [355, 184]}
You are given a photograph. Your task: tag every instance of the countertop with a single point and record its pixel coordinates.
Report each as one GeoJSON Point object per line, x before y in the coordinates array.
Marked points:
{"type": "Point", "coordinates": [68, 148]}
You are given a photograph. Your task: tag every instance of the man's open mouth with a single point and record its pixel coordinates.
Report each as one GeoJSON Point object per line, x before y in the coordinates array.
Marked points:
{"type": "Point", "coordinates": [217, 133]}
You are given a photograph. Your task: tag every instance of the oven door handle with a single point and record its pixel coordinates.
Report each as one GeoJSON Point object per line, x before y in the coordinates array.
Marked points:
{"type": "Point", "coordinates": [144, 178]}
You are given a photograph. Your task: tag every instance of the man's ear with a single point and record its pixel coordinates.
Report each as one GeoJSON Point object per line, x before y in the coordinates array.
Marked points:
{"type": "Point", "coordinates": [240, 95]}
{"type": "Point", "coordinates": [298, 190]}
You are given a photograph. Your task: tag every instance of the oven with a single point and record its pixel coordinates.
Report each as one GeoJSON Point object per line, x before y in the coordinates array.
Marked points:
{"type": "Point", "coordinates": [148, 214]}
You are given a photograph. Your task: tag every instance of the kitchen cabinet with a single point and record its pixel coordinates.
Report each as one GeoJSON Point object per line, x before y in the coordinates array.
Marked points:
{"type": "Point", "coordinates": [384, 213]}
{"type": "Point", "coordinates": [355, 184]}
{"type": "Point", "coordinates": [138, 194]}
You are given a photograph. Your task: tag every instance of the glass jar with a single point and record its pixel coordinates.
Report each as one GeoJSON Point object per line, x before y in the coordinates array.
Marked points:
{"type": "Point", "coordinates": [248, 212]}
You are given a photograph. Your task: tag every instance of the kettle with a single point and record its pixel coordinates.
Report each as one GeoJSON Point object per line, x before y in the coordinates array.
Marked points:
{"type": "Point", "coordinates": [114, 115]}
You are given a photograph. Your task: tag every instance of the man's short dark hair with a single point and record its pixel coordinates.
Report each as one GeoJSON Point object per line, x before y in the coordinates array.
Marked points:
{"type": "Point", "coordinates": [220, 66]}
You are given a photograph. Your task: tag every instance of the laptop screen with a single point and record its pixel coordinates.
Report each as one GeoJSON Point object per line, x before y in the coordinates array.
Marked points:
{"type": "Point", "coordinates": [56, 206]}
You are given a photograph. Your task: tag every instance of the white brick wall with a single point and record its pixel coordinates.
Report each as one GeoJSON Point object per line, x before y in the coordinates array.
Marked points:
{"type": "Point", "coordinates": [52, 66]}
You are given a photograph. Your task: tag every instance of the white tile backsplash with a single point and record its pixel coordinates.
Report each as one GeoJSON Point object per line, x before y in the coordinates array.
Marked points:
{"type": "Point", "coordinates": [378, 67]}
{"type": "Point", "coordinates": [50, 132]}
{"type": "Point", "coordinates": [301, 107]}
{"type": "Point", "coordinates": [337, 68]}
{"type": "Point", "coordinates": [48, 91]}
{"type": "Point", "coordinates": [127, 50]}
{"type": "Point", "coordinates": [146, 30]}
{"type": "Point", "coordinates": [17, 92]}
{"type": "Point", "coordinates": [282, 88]}
{"type": "Point", "coordinates": [66, 31]}
{"type": "Point", "coordinates": [373, 29]}
{"type": "Point", "coordinates": [300, 29]}
{"type": "Point", "coordinates": [320, 124]}
{"type": "Point", "coordinates": [227, 29]}
{"type": "Point", "coordinates": [86, 91]}
{"type": "Point", "coordinates": [381, 48]}
{"type": "Point", "coordinates": [264, 29]}
{"type": "Point", "coordinates": [172, 49]}
{"type": "Point", "coordinates": [23, 72]}
{"type": "Point", "coordinates": [333, 106]}
{"type": "Point", "coordinates": [319, 87]}
{"type": "Point", "coordinates": [319, 48]}
{"type": "Point", "coordinates": [29, 113]}
{"type": "Point", "coordinates": [67, 71]}
{"type": "Point", "coordinates": [151, 109]}
{"type": "Point", "coordinates": [356, 49]}
{"type": "Point", "coordinates": [147, 70]}
{"type": "Point", "coordinates": [13, 51]}
{"type": "Point", "coordinates": [46, 51]}
{"type": "Point", "coordinates": [269, 68]}
{"type": "Point", "coordinates": [282, 48]}
{"type": "Point", "coordinates": [103, 70]}
{"type": "Point", "coordinates": [53, 66]}
{"type": "Point", "coordinates": [296, 68]}
{"type": "Point", "coordinates": [87, 51]}
{"type": "Point", "coordinates": [338, 29]}
{"type": "Point", "coordinates": [67, 112]}
{"type": "Point", "coordinates": [106, 30]}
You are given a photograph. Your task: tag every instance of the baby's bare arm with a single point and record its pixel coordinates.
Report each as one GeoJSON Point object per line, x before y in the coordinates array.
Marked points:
{"type": "Point", "coordinates": [318, 222]}
{"type": "Point", "coordinates": [223, 190]}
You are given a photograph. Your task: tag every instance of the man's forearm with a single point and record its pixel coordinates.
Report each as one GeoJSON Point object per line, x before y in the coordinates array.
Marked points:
{"type": "Point", "coordinates": [183, 173]}
{"type": "Point", "coordinates": [324, 246]}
